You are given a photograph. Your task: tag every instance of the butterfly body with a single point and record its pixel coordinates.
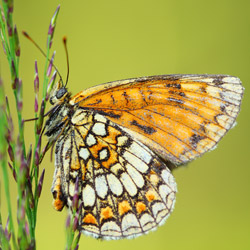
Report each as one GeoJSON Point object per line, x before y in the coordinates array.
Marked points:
{"type": "Point", "coordinates": [117, 139]}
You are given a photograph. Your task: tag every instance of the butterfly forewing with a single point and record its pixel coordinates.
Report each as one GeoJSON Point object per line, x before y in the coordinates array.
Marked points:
{"type": "Point", "coordinates": [178, 116]}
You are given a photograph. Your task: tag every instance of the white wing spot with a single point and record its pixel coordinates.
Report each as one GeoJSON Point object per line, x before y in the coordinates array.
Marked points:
{"type": "Point", "coordinates": [114, 184]}
{"type": "Point", "coordinates": [135, 175]}
{"type": "Point", "coordinates": [100, 118]}
{"type": "Point", "coordinates": [110, 228]}
{"type": "Point", "coordinates": [208, 80]}
{"type": "Point", "coordinates": [103, 154]}
{"type": "Point", "coordinates": [154, 179]}
{"type": "Point", "coordinates": [88, 196]}
{"type": "Point", "coordinates": [140, 152]}
{"type": "Point", "coordinates": [172, 183]}
{"type": "Point", "coordinates": [171, 201]}
{"type": "Point", "coordinates": [147, 222]}
{"type": "Point", "coordinates": [121, 140]}
{"type": "Point", "coordinates": [232, 79]}
{"type": "Point", "coordinates": [233, 87]}
{"type": "Point", "coordinates": [136, 162]}
{"type": "Point", "coordinates": [101, 186]}
{"type": "Point", "coordinates": [90, 140]}
{"type": "Point", "coordinates": [159, 211]}
{"type": "Point", "coordinates": [130, 224]}
{"type": "Point", "coordinates": [99, 129]}
{"type": "Point", "coordinates": [84, 153]}
{"type": "Point", "coordinates": [165, 175]}
{"type": "Point", "coordinates": [128, 184]}
{"type": "Point", "coordinates": [231, 97]}
{"type": "Point", "coordinates": [164, 190]}
{"type": "Point", "coordinates": [71, 188]}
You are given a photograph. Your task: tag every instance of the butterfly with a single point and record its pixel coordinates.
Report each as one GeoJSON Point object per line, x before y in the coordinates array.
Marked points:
{"type": "Point", "coordinates": [121, 140]}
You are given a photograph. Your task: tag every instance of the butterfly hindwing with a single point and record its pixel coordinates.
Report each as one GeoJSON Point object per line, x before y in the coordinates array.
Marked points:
{"type": "Point", "coordinates": [126, 189]}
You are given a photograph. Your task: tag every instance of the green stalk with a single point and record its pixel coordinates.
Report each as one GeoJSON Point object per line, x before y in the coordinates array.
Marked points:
{"type": "Point", "coordinates": [3, 161]}
{"type": "Point", "coordinates": [7, 194]}
{"type": "Point", "coordinates": [39, 122]}
{"type": "Point", "coordinates": [10, 51]}
{"type": "Point", "coordinates": [27, 178]}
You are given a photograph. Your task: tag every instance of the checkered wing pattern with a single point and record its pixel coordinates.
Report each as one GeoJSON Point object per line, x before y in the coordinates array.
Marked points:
{"type": "Point", "coordinates": [119, 139]}
{"type": "Point", "coordinates": [126, 189]}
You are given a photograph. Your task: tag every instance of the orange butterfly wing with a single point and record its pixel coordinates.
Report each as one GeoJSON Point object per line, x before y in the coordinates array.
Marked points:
{"type": "Point", "coordinates": [178, 116]}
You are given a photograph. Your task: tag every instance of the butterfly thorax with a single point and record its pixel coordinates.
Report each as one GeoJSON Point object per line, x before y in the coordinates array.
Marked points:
{"type": "Point", "coordinates": [59, 114]}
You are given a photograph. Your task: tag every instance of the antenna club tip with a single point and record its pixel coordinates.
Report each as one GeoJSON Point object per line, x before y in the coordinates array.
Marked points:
{"type": "Point", "coordinates": [64, 39]}
{"type": "Point", "coordinates": [25, 33]}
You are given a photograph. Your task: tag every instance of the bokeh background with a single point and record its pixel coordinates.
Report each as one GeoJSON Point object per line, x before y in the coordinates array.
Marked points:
{"type": "Point", "coordinates": [111, 40]}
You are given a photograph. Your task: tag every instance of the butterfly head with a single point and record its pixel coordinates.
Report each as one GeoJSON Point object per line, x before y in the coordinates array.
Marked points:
{"type": "Point", "coordinates": [60, 94]}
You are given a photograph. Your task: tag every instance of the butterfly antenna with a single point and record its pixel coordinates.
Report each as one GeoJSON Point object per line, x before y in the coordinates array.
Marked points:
{"type": "Point", "coordinates": [31, 119]}
{"type": "Point", "coordinates": [39, 48]}
{"type": "Point", "coordinates": [67, 55]}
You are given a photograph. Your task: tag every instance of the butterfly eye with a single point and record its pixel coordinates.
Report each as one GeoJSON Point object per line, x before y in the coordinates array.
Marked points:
{"type": "Point", "coordinates": [60, 93]}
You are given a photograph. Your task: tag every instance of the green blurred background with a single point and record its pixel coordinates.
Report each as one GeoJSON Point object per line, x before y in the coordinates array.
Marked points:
{"type": "Point", "coordinates": [111, 40]}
